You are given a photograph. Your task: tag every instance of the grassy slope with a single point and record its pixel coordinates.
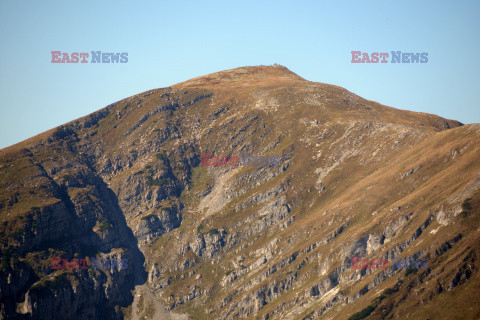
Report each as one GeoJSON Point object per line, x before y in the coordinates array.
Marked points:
{"type": "Point", "coordinates": [359, 144]}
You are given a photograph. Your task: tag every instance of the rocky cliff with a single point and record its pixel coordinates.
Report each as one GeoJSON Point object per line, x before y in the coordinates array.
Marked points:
{"type": "Point", "coordinates": [353, 181]}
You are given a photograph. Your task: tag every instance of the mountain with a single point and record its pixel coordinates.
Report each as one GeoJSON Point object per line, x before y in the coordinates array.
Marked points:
{"type": "Point", "coordinates": [249, 193]}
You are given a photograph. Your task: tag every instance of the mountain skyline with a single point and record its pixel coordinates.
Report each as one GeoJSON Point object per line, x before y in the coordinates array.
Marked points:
{"type": "Point", "coordinates": [368, 212]}
{"type": "Point", "coordinates": [169, 42]}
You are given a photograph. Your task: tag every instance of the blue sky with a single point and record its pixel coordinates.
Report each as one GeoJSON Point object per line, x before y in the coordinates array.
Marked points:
{"type": "Point", "coordinates": [172, 41]}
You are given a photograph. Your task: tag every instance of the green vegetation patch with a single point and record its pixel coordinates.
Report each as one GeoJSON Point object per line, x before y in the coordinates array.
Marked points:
{"type": "Point", "coordinates": [156, 182]}
{"type": "Point", "coordinates": [213, 231]}
{"type": "Point", "coordinates": [53, 284]}
{"type": "Point", "coordinates": [362, 314]}
{"type": "Point", "coordinates": [104, 224]}
{"type": "Point", "coordinates": [161, 156]}
{"type": "Point", "coordinates": [410, 270]}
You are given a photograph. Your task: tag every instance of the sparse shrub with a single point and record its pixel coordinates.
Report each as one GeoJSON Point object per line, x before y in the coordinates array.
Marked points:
{"type": "Point", "coordinates": [55, 283]}
{"type": "Point", "coordinates": [161, 156]}
{"type": "Point", "coordinates": [18, 233]}
{"type": "Point", "coordinates": [104, 224]}
{"type": "Point", "coordinates": [379, 299]}
{"type": "Point", "coordinates": [200, 229]}
{"type": "Point", "coordinates": [67, 177]}
{"type": "Point", "coordinates": [38, 287]}
{"type": "Point", "coordinates": [138, 173]}
{"type": "Point", "coordinates": [31, 191]}
{"type": "Point", "coordinates": [466, 205]}
{"type": "Point", "coordinates": [362, 314]}
{"type": "Point", "coordinates": [148, 216]}
{"type": "Point", "coordinates": [213, 231]}
{"type": "Point", "coordinates": [48, 284]}
{"type": "Point", "coordinates": [156, 182]}
{"type": "Point", "coordinates": [388, 291]}
{"type": "Point", "coordinates": [410, 270]}
{"type": "Point", "coordinates": [5, 263]}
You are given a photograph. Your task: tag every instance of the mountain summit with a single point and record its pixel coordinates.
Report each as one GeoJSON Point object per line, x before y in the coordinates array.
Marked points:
{"type": "Point", "coordinates": [243, 76]}
{"type": "Point", "coordinates": [249, 193]}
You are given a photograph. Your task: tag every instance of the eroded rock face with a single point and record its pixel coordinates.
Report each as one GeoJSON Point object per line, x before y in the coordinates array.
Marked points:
{"type": "Point", "coordinates": [79, 292]}
{"type": "Point", "coordinates": [353, 179]}
{"type": "Point", "coordinates": [154, 225]}
{"type": "Point", "coordinates": [82, 219]}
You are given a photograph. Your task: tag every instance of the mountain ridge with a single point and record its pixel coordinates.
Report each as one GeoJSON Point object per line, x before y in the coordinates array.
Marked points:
{"type": "Point", "coordinates": [355, 179]}
{"type": "Point", "coordinates": [274, 72]}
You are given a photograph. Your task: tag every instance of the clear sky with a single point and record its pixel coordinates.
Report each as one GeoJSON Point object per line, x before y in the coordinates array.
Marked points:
{"type": "Point", "coordinates": [172, 41]}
